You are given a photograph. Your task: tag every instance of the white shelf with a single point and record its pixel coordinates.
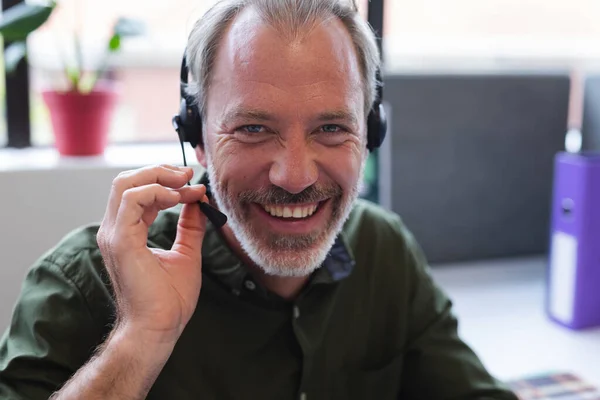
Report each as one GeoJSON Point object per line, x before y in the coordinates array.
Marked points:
{"type": "Point", "coordinates": [116, 156]}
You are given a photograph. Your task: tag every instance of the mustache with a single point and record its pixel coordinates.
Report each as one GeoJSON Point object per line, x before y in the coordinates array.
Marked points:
{"type": "Point", "coordinates": [274, 195]}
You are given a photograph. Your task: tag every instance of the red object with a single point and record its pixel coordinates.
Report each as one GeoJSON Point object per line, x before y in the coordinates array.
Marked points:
{"type": "Point", "coordinates": [81, 122]}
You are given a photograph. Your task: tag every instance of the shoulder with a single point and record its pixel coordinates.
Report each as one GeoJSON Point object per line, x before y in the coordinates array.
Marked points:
{"type": "Point", "coordinates": [369, 212]}
{"type": "Point", "coordinates": [381, 243]}
{"type": "Point", "coordinates": [371, 225]}
{"type": "Point", "coordinates": [77, 261]}
{"type": "Point", "coordinates": [78, 254]}
{"type": "Point", "coordinates": [76, 257]}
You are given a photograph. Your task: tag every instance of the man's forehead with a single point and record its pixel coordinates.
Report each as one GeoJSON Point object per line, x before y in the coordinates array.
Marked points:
{"type": "Point", "coordinates": [252, 45]}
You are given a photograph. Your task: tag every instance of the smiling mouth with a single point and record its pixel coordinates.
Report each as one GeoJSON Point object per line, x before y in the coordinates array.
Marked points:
{"type": "Point", "coordinates": [291, 211]}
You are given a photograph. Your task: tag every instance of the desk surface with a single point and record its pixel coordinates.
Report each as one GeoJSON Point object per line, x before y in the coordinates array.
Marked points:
{"type": "Point", "coordinates": [500, 306]}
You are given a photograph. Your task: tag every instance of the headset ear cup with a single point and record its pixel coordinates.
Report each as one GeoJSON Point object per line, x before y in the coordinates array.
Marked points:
{"type": "Point", "coordinates": [191, 124]}
{"type": "Point", "coordinates": [376, 127]}
{"type": "Point", "coordinates": [182, 116]}
{"type": "Point", "coordinates": [188, 122]}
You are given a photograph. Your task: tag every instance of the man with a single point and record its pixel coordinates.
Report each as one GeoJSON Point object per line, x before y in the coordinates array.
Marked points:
{"type": "Point", "coordinates": [306, 293]}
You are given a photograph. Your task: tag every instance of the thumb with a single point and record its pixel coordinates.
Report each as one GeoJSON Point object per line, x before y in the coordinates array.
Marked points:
{"type": "Point", "coordinates": [191, 228]}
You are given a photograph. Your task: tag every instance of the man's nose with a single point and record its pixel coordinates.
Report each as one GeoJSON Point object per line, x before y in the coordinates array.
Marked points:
{"type": "Point", "coordinates": [295, 167]}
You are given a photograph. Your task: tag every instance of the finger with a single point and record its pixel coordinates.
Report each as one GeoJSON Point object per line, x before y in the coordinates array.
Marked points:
{"type": "Point", "coordinates": [188, 194]}
{"type": "Point", "coordinates": [188, 170]}
{"type": "Point", "coordinates": [173, 167]}
{"type": "Point", "coordinates": [190, 231]}
{"type": "Point", "coordinates": [165, 175]}
{"type": "Point", "coordinates": [136, 201]}
{"type": "Point", "coordinates": [169, 176]}
{"type": "Point", "coordinates": [192, 194]}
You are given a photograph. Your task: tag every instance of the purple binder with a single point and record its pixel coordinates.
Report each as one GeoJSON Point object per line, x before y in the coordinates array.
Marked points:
{"type": "Point", "coordinates": [574, 269]}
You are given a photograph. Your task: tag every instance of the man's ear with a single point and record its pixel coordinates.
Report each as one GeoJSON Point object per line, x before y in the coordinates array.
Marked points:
{"type": "Point", "coordinates": [201, 155]}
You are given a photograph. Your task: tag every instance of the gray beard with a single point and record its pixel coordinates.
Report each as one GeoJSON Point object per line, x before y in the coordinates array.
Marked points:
{"type": "Point", "coordinates": [285, 255]}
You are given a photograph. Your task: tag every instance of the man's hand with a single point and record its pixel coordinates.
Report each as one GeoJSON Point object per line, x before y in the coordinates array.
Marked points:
{"type": "Point", "coordinates": [156, 290]}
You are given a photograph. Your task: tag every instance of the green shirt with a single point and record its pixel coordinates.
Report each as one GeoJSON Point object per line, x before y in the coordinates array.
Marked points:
{"type": "Point", "coordinates": [370, 324]}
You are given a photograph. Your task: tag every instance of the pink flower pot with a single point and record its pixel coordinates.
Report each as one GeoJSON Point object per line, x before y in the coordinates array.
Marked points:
{"type": "Point", "coordinates": [81, 122]}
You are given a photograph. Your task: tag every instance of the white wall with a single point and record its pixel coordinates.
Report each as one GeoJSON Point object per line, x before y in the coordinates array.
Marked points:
{"type": "Point", "coordinates": [43, 197]}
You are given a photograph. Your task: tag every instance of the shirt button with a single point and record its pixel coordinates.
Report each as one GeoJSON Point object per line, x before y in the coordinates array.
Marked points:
{"type": "Point", "coordinates": [296, 312]}
{"type": "Point", "coordinates": [303, 396]}
{"type": "Point", "coordinates": [250, 285]}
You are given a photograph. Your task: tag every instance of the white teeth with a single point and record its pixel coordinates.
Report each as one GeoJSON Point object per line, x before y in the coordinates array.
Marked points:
{"type": "Point", "coordinates": [290, 212]}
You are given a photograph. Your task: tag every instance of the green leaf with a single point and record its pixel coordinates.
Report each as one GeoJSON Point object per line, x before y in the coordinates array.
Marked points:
{"type": "Point", "coordinates": [13, 54]}
{"type": "Point", "coordinates": [19, 21]}
{"type": "Point", "coordinates": [73, 74]}
{"type": "Point", "coordinates": [128, 27]}
{"type": "Point", "coordinates": [115, 42]}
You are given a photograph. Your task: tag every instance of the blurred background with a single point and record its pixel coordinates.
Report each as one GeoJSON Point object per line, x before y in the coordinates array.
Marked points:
{"type": "Point", "coordinates": [480, 95]}
{"type": "Point", "coordinates": [457, 35]}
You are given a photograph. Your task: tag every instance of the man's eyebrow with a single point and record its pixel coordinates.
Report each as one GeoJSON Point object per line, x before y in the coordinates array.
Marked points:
{"type": "Point", "coordinates": [263, 115]}
{"type": "Point", "coordinates": [248, 114]}
{"type": "Point", "coordinates": [338, 115]}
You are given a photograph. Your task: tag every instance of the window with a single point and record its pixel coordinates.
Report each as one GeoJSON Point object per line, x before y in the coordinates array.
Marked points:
{"type": "Point", "coordinates": [147, 68]}
{"type": "Point", "coordinates": [419, 35]}
{"type": "Point", "coordinates": [475, 35]}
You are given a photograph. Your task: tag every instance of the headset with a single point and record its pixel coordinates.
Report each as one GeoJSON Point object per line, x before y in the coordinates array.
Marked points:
{"type": "Point", "coordinates": [188, 123]}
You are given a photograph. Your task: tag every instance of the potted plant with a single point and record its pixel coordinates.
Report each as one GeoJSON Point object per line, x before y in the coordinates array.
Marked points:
{"type": "Point", "coordinates": [82, 113]}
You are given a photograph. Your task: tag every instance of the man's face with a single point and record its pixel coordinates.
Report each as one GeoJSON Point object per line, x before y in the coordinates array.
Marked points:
{"type": "Point", "coordinates": [285, 140]}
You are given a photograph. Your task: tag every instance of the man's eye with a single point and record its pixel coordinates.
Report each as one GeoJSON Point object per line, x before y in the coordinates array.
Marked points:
{"type": "Point", "coordinates": [331, 128]}
{"type": "Point", "coordinates": [332, 135]}
{"type": "Point", "coordinates": [252, 134]}
{"type": "Point", "coordinates": [251, 129]}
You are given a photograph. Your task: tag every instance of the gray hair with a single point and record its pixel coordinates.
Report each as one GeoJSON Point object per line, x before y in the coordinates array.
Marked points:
{"type": "Point", "coordinates": [288, 16]}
